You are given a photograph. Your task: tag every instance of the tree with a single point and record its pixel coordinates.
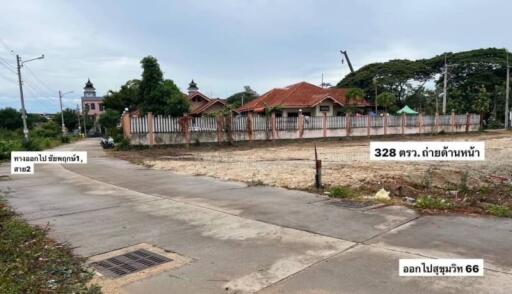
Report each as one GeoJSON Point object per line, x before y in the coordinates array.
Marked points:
{"type": "Point", "coordinates": [70, 118]}
{"type": "Point", "coordinates": [354, 96]}
{"type": "Point", "coordinates": [482, 103]}
{"type": "Point", "coordinates": [10, 119]}
{"type": "Point", "coordinates": [247, 95]}
{"type": "Point", "coordinates": [126, 97]}
{"type": "Point", "coordinates": [386, 100]}
{"type": "Point", "coordinates": [109, 119]}
{"type": "Point", "coordinates": [157, 95]}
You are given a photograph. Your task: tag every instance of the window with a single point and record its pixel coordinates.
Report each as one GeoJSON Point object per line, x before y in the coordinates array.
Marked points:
{"type": "Point", "coordinates": [93, 106]}
{"type": "Point", "coordinates": [86, 106]}
{"type": "Point", "coordinates": [325, 108]}
{"type": "Point", "coordinates": [101, 106]}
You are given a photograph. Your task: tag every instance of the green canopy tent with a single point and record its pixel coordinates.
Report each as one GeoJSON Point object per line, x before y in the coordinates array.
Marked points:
{"type": "Point", "coordinates": [406, 110]}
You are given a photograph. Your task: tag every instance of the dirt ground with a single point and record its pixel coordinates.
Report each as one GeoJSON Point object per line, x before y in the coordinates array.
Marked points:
{"type": "Point", "coordinates": [345, 163]}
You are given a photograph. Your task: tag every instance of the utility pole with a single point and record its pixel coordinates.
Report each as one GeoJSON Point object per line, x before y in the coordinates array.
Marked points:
{"type": "Point", "coordinates": [19, 65]}
{"type": "Point", "coordinates": [85, 125]}
{"type": "Point", "coordinates": [507, 91]}
{"type": "Point", "coordinates": [62, 112]}
{"type": "Point", "coordinates": [445, 84]}
{"type": "Point", "coordinates": [78, 115]}
{"type": "Point", "coordinates": [445, 87]}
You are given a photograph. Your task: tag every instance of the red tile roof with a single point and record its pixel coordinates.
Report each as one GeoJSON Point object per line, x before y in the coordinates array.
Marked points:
{"type": "Point", "coordinates": [299, 95]}
{"type": "Point", "coordinates": [204, 107]}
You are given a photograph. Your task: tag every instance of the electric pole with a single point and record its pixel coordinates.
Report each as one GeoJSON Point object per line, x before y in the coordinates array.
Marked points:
{"type": "Point", "coordinates": [78, 115]}
{"type": "Point", "coordinates": [445, 84]}
{"type": "Point", "coordinates": [19, 65]}
{"type": "Point", "coordinates": [507, 91]}
{"type": "Point", "coordinates": [62, 112]}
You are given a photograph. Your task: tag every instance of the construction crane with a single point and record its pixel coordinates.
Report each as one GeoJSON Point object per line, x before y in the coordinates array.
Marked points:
{"type": "Point", "coordinates": [348, 60]}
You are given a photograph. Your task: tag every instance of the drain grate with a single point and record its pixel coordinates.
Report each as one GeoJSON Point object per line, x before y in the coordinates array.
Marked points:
{"type": "Point", "coordinates": [128, 263]}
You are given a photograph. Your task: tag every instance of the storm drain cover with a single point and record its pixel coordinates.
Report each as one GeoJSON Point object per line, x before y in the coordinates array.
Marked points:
{"type": "Point", "coordinates": [128, 263]}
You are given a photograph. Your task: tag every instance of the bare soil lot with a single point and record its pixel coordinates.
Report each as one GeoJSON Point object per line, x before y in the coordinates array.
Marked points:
{"type": "Point", "coordinates": [470, 186]}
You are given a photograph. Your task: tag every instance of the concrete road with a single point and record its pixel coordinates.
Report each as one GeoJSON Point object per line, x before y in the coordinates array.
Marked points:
{"type": "Point", "coordinates": [251, 239]}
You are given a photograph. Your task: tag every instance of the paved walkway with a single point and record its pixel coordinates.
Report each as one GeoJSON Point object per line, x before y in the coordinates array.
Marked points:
{"type": "Point", "coordinates": [249, 239]}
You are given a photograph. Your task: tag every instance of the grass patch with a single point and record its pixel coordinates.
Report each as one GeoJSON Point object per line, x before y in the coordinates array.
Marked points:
{"type": "Point", "coordinates": [30, 262]}
{"type": "Point", "coordinates": [429, 202]}
{"type": "Point", "coordinates": [340, 192]}
{"type": "Point", "coordinates": [499, 210]}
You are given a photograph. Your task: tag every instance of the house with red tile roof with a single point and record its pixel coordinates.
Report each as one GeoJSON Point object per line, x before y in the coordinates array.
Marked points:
{"type": "Point", "coordinates": [200, 104]}
{"type": "Point", "coordinates": [304, 97]}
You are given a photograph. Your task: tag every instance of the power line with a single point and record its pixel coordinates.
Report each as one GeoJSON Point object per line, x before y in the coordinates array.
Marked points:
{"type": "Point", "coordinates": [8, 66]}
{"type": "Point", "coordinates": [39, 83]}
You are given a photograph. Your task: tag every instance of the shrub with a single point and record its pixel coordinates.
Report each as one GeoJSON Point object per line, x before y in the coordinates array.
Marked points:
{"type": "Point", "coordinates": [429, 202]}
{"type": "Point", "coordinates": [499, 210]}
{"type": "Point", "coordinates": [340, 192]}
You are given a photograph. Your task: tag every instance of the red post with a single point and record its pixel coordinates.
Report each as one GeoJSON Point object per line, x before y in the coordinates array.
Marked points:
{"type": "Point", "coordinates": [468, 121]}
{"type": "Point", "coordinates": [403, 123]}
{"type": "Point", "coordinates": [369, 122]}
{"type": "Point", "coordinates": [452, 121]}
{"type": "Point", "coordinates": [274, 129]}
{"type": "Point", "coordinates": [151, 133]}
{"type": "Point", "coordinates": [420, 123]}
{"type": "Point", "coordinates": [436, 122]}
{"type": "Point", "coordinates": [385, 123]}
{"type": "Point", "coordinates": [325, 125]}
{"type": "Point", "coordinates": [250, 132]}
{"type": "Point", "coordinates": [301, 125]}
{"type": "Point", "coordinates": [126, 123]}
{"type": "Point", "coordinates": [348, 122]}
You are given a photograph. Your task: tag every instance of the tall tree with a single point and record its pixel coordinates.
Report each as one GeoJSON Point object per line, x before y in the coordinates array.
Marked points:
{"type": "Point", "coordinates": [10, 119]}
{"type": "Point", "coordinates": [386, 100]}
{"type": "Point", "coordinates": [482, 103]}
{"type": "Point", "coordinates": [126, 97]}
{"type": "Point", "coordinates": [70, 118]}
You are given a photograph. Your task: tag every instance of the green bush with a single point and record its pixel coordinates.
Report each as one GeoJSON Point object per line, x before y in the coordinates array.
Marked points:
{"type": "Point", "coordinates": [47, 130]}
{"type": "Point", "coordinates": [340, 192]}
{"type": "Point", "coordinates": [6, 146]}
{"type": "Point", "coordinates": [429, 202]}
{"type": "Point", "coordinates": [499, 210]}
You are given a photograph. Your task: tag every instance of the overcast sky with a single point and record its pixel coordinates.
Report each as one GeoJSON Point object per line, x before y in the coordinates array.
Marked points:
{"type": "Point", "coordinates": [226, 44]}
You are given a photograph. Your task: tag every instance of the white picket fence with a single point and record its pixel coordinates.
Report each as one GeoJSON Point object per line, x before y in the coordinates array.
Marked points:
{"type": "Point", "coordinates": [167, 124]}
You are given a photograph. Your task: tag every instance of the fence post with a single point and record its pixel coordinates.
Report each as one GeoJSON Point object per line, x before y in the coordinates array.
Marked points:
{"type": "Point", "coordinates": [249, 126]}
{"type": "Point", "coordinates": [324, 122]}
{"type": "Point", "coordinates": [151, 134]}
{"type": "Point", "coordinates": [273, 124]}
{"type": "Point", "coordinates": [219, 128]}
{"type": "Point", "coordinates": [403, 123]}
{"type": "Point", "coordinates": [452, 122]}
{"type": "Point", "coordinates": [301, 125]}
{"type": "Point", "coordinates": [126, 124]}
{"type": "Point", "coordinates": [436, 122]}
{"type": "Point", "coordinates": [468, 121]}
{"type": "Point", "coordinates": [420, 123]}
{"type": "Point", "coordinates": [385, 123]}
{"type": "Point", "coordinates": [348, 124]}
{"type": "Point", "coordinates": [369, 123]}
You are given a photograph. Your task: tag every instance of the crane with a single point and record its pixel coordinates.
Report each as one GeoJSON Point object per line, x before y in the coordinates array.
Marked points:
{"type": "Point", "coordinates": [348, 60]}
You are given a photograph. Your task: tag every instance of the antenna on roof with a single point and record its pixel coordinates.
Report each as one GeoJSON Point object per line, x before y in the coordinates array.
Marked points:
{"type": "Point", "coordinates": [323, 84]}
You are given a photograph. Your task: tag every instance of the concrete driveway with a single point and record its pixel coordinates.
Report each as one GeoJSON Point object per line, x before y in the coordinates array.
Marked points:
{"type": "Point", "coordinates": [251, 239]}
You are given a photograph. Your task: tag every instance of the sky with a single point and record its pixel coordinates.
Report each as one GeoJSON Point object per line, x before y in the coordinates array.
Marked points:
{"type": "Point", "coordinates": [225, 45]}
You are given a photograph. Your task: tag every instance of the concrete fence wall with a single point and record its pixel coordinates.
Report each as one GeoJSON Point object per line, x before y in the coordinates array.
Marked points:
{"type": "Point", "coordinates": [161, 130]}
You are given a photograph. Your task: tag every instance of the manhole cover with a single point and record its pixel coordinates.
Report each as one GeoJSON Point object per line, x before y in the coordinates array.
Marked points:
{"type": "Point", "coordinates": [350, 204]}
{"type": "Point", "coordinates": [128, 263]}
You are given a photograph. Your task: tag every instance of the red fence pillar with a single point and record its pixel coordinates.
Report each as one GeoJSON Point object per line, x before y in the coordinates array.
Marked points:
{"type": "Point", "coordinates": [219, 129]}
{"type": "Point", "coordinates": [403, 123]}
{"type": "Point", "coordinates": [273, 122]}
{"type": "Point", "coordinates": [420, 123]}
{"type": "Point", "coordinates": [468, 121]}
{"type": "Point", "coordinates": [452, 121]}
{"type": "Point", "coordinates": [369, 123]}
{"type": "Point", "coordinates": [324, 125]}
{"type": "Point", "coordinates": [436, 122]}
{"type": "Point", "coordinates": [250, 132]}
{"type": "Point", "coordinates": [385, 123]}
{"type": "Point", "coordinates": [301, 125]}
{"type": "Point", "coordinates": [348, 124]}
{"type": "Point", "coordinates": [151, 133]}
{"type": "Point", "coordinates": [126, 124]}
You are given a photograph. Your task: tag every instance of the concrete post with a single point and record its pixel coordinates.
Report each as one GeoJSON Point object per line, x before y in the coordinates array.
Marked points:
{"type": "Point", "coordinates": [369, 123]}
{"type": "Point", "coordinates": [126, 124]}
{"type": "Point", "coordinates": [452, 121]}
{"type": "Point", "coordinates": [468, 121]}
{"type": "Point", "coordinates": [324, 125]}
{"type": "Point", "coordinates": [385, 123]}
{"type": "Point", "coordinates": [301, 125]}
{"type": "Point", "coordinates": [420, 123]}
{"type": "Point", "coordinates": [273, 124]}
{"type": "Point", "coordinates": [403, 123]}
{"type": "Point", "coordinates": [151, 125]}
{"type": "Point", "coordinates": [348, 124]}
{"type": "Point", "coordinates": [250, 132]}
{"type": "Point", "coordinates": [436, 122]}
{"type": "Point", "coordinates": [219, 129]}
